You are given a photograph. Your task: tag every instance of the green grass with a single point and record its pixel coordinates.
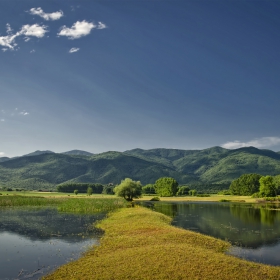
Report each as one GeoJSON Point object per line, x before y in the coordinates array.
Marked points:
{"type": "Point", "coordinates": [64, 204]}
{"type": "Point", "coordinates": [141, 244]}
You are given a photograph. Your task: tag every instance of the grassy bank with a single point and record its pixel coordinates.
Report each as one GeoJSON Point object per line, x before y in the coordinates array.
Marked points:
{"type": "Point", "coordinates": [212, 197]}
{"type": "Point", "coordinates": [64, 204]}
{"type": "Point", "coordinates": [141, 244]}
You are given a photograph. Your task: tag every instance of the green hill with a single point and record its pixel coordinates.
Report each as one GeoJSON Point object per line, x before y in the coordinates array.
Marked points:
{"type": "Point", "coordinates": [195, 167]}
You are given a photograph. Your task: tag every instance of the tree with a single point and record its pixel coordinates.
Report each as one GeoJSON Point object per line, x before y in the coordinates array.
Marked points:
{"type": "Point", "coordinates": [76, 192]}
{"type": "Point", "coordinates": [149, 189]}
{"type": "Point", "coordinates": [267, 187]}
{"type": "Point", "coordinates": [129, 189]}
{"type": "Point", "coordinates": [276, 181]}
{"type": "Point", "coordinates": [246, 184]}
{"type": "Point", "coordinates": [183, 190]}
{"type": "Point", "coordinates": [166, 186]}
{"type": "Point", "coordinates": [89, 191]}
{"type": "Point", "coordinates": [192, 192]}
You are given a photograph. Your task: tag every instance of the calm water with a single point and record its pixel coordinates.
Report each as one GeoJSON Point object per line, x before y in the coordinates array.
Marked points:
{"type": "Point", "coordinates": [33, 243]}
{"type": "Point", "coordinates": [254, 232]}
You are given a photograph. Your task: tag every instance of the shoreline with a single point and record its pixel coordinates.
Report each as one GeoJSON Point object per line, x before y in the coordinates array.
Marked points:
{"type": "Point", "coordinates": [141, 244]}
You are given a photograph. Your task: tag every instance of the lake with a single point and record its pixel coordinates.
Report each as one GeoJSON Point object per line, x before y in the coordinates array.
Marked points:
{"type": "Point", "coordinates": [253, 230]}
{"type": "Point", "coordinates": [35, 242]}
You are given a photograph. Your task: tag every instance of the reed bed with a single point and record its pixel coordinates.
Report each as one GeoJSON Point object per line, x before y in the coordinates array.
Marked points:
{"type": "Point", "coordinates": [73, 205]}
{"type": "Point", "coordinates": [91, 205]}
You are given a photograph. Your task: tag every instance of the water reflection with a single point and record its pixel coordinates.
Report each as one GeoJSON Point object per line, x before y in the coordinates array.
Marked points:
{"type": "Point", "coordinates": [35, 242]}
{"type": "Point", "coordinates": [252, 228]}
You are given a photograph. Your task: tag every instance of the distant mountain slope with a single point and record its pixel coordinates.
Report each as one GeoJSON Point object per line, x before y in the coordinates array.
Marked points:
{"type": "Point", "coordinates": [2, 159]}
{"type": "Point", "coordinates": [214, 165]}
{"type": "Point", "coordinates": [78, 153]}
{"type": "Point", "coordinates": [37, 153]}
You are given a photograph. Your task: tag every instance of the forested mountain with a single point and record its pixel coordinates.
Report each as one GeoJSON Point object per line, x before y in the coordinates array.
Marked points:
{"type": "Point", "coordinates": [78, 153]}
{"type": "Point", "coordinates": [195, 167]}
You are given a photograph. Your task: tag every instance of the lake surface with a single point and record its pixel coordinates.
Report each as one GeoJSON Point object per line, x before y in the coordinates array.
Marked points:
{"type": "Point", "coordinates": [35, 242]}
{"type": "Point", "coordinates": [253, 230]}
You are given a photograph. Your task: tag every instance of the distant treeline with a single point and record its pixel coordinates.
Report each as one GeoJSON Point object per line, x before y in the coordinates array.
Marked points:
{"type": "Point", "coordinates": [83, 187]}
{"type": "Point", "coordinates": [209, 188]}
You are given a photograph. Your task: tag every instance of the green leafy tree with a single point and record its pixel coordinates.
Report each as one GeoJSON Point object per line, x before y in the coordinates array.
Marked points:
{"type": "Point", "coordinates": [89, 191]}
{"type": "Point", "coordinates": [267, 187]}
{"type": "Point", "coordinates": [183, 190]}
{"type": "Point", "coordinates": [166, 186]}
{"type": "Point", "coordinates": [149, 189]}
{"type": "Point", "coordinates": [246, 184]}
{"type": "Point", "coordinates": [276, 181]}
{"type": "Point", "coordinates": [76, 192]}
{"type": "Point", "coordinates": [129, 189]}
{"type": "Point", "coordinates": [192, 192]}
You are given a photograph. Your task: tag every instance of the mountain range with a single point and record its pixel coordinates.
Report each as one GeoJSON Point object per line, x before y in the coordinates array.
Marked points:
{"type": "Point", "coordinates": [201, 168]}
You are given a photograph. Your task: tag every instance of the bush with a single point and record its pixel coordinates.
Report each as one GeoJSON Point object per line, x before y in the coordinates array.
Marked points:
{"type": "Point", "coordinates": [155, 198]}
{"type": "Point", "coordinates": [256, 195]}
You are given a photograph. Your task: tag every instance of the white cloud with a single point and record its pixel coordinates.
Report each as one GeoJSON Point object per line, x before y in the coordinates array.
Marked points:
{"type": "Point", "coordinates": [8, 42]}
{"type": "Point", "coordinates": [78, 30]}
{"type": "Point", "coordinates": [26, 39]}
{"type": "Point", "coordinates": [264, 142]}
{"type": "Point", "coordinates": [24, 113]}
{"type": "Point", "coordinates": [47, 16]}
{"type": "Point", "coordinates": [72, 50]}
{"type": "Point", "coordinates": [32, 51]}
{"type": "Point", "coordinates": [2, 120]}
{"type": "Point", "coordinates": [33, 30]}
{"type": "Point", "coordinates": [2, 153]}
{"type": "Point", "coordinates": [101, 25]}
{"type": "Point", "coordinates": [9, 29]}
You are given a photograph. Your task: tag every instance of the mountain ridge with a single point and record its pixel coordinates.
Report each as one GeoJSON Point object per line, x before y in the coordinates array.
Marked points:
{"type": "Point", "coordinates": [214, 165]}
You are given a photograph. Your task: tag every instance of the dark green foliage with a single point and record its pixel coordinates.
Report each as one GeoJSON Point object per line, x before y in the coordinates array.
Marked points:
{"type": "Point", "coordinates": [183, 190]}
{"type": "Point", "coordinates": [267, 187]}
{"type": "Point", "coordinates": [128, 189]}
{"type": "Point", "coordinates": [149, 189]}
{"type": "Point", "coordinates": [192, 192]}
{"type": "Point", "coordinates": [276, 181]}
{"type": "Point", "coordinates": [76, 192]}
{"type": "Point", "coordinates": [108, 189]}
{"type": "Point", "coordinates": [246, 184]}
{"type": "Point", "coordinates": [80, 187]}
{"type": "Point", "coordinates": [166, 186]}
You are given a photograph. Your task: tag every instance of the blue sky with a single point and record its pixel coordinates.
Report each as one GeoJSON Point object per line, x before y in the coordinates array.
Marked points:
{"type": "Point", "coordinates": [117, 75]}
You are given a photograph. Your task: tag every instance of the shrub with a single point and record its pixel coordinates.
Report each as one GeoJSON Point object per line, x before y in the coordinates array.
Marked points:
{"type": "Point", "coordinates": [155, 198]}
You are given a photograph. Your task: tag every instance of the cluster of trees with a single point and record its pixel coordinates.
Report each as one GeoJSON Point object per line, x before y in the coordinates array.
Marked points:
{"type": "Point", "coordinates": [84, 188]}
{"type": "Point", "coordinates": [257, 185]}
{"type": "Point", "coordinates": [165, 186]}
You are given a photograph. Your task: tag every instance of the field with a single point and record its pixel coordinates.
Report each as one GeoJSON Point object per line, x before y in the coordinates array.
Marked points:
{"type": "Point", "coordinates": [140, 244]}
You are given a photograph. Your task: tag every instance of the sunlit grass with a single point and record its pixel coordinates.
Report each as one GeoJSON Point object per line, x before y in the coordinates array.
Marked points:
{"type": "Point", "coordinates": [64, 204]}
{"type": "Point", "coordinates": [141, 244]}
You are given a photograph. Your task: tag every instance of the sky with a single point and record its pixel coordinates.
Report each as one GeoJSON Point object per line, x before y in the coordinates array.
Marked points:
{"type": "Point", "coordinates": [123, 74]}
